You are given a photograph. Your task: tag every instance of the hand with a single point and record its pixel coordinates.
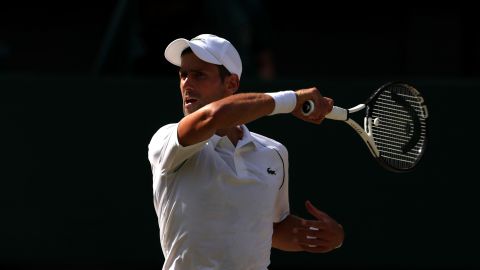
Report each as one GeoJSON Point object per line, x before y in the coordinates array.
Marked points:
{"type": "Point", "coordinates": [323, 105]}
{"type": "Point", "coordinates": [321, 235]}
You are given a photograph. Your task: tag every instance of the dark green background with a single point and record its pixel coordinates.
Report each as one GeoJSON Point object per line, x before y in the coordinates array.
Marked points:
{"type": "Point", "coordinates": [84, 85]}
{"type": "Point", "coordinates": [76, 184]}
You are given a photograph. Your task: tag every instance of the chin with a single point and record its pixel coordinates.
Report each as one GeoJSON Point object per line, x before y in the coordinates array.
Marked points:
{"type": "Point", "coordinates": [192, 109]}
{"type": "Point", "coordinates": [189, 111]}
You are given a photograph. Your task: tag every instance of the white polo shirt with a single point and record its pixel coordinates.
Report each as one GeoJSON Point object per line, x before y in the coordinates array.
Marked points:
{"type": "Point", "coordinates": [216, 203]}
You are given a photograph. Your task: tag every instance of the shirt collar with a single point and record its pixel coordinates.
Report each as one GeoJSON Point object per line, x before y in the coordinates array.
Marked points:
{"type": "Point", "coordinates": [247, 139]}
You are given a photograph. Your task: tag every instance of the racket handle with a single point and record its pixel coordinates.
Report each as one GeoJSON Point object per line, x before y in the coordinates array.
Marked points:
{"type": "Point", "coordinates": [337, 113]}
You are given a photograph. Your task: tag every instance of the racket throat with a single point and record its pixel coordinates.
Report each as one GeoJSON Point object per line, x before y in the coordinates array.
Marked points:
{"type": "Point", "coordinates": [366, 137]}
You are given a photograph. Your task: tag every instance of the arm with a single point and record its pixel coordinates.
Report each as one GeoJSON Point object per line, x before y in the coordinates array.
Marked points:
{"type": "Point", "coordinates": [283, 236]}
{"type": "Point", "coordinates": [295, 233]}
{"type": "Point", "coordinates": [240, 109]}
{"type": "Point", "coordinates": [224, 113]}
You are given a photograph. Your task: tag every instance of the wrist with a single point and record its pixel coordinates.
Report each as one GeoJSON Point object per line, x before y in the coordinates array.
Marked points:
{"type": "Point", "coordinates": [285, 101]}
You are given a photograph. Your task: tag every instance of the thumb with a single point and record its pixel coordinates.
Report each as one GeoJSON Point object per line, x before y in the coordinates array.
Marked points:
{"type": "Point", "coordinates": [314, 211]}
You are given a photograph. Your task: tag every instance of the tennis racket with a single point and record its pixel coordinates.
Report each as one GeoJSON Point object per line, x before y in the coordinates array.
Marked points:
{"type": "Point", "coordinates": [394, 127]}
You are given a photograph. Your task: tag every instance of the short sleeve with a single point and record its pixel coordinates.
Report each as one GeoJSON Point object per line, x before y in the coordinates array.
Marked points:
{"type": "Point", "coordinates": [165, 153]}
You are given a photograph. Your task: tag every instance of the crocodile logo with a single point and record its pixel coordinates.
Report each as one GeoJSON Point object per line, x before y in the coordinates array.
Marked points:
{"type": "Point", "coordinates": [270, 171]}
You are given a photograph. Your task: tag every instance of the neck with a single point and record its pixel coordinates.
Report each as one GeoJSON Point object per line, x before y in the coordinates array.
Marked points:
{"type": "Point", "coordinates": [234, 134]}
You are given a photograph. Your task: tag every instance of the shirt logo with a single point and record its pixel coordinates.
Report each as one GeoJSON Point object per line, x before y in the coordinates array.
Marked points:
{"type": "Point", "coordinates": [270, 171]}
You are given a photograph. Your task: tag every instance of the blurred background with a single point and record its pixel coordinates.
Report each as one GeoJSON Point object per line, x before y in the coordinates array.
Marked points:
{"type": "Point", "coordinates": [84, 86]}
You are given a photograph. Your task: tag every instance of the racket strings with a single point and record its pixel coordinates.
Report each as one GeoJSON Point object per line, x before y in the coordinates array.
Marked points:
{"type": "Point", "coordinates": [394, 128]}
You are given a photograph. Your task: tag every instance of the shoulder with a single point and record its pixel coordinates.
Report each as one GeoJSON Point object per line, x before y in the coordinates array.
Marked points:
{"type": "Point", "coordinates": [270, 143]}
{"type": "Point", "coordinates": [164, 132]}
{"type": "Point", "coordinates": [168, 127]}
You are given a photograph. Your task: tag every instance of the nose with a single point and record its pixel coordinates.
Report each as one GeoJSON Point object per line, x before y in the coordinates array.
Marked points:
{"type": "Point", "coordinates": [186, 85]}
{"type": "Point", "coordinates": [186, 81]}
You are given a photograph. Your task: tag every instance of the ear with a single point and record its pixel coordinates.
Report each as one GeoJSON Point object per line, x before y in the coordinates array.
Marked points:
{"type": "Point", "coordinates": [232, 83]}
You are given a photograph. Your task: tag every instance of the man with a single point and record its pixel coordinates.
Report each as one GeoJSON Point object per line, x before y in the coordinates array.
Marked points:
{"type": "Point", "coordinates": [221, 191]}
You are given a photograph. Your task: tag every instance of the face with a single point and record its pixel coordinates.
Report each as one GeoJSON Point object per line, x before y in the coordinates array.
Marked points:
{"type": "Point", "coordinates": [200, 83]}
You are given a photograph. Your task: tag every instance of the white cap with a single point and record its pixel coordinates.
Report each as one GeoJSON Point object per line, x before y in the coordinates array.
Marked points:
{"type": "Point", "coordinates": [209, 48]}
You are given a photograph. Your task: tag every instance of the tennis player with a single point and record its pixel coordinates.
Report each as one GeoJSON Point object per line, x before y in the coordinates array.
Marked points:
{"type": "Point", "coordinates": [221, 191]}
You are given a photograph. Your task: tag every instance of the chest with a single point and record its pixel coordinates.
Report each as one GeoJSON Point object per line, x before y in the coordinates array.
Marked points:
{"type": "Point", "coordinates": [249, 178]}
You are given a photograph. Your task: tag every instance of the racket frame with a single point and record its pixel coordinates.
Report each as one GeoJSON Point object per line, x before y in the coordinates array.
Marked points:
{"type": "Point", "coordinates": [341, 114]}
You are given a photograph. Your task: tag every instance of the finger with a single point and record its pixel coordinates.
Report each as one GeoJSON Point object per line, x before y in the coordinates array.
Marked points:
{"type": "Point", "coordinates": [314, 242]}
{"type": "Point", "coordinates": [317, 224]}
{"type": "Point", "coordinates": [306, 233]}
{"type": "Point", "coordinates": [316, 93]}
{"type": "Point", "coordinates": [318, 118]}
{"type": "Point", "coordinates": [315, 249]}
{"type": "Point", "coordinates": [314, 239]}
{"type": "Point", "coordinates": [314, 211]}
{"type": "Point", "coordinates": [317, 121]}
{"type": "Point", "coordinates": [330, 104]}
{"type": "Point", "coordinates": [327, 104]}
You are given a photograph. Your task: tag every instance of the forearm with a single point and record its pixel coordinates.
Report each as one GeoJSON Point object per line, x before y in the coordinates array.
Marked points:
{"type": "Point", "coordinates": [240, 109]}
{"type": "Point", "coordinates": [283, 236]}
{"type": "Point", "coordinates": [224, 113]}
{"type": "Point", "coordinates": [245, 107]}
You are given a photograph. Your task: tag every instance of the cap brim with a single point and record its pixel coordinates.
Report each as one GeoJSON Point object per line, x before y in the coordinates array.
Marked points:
{"type": "Point", "coordinates": [173, 52]}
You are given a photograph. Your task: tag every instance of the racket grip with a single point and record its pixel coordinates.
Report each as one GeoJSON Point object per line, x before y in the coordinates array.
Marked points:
{"type": "Point", "coordinates": [337, 113]}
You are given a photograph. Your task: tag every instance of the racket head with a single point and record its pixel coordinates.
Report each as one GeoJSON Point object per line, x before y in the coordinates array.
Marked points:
{"type": "Point", "coordinates": [396, 119]}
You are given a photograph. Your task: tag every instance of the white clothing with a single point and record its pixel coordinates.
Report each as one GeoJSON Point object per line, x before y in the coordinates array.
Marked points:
{"type": "Point", "coordinates": [216, 203]}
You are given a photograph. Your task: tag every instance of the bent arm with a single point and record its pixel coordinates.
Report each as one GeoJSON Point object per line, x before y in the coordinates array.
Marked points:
{"type": "Point", "coordinates": [298, 234]}
{"type": "Point", "coordinates": [241, 109]}
{"type": "Point", "coordinates": [228, 112]}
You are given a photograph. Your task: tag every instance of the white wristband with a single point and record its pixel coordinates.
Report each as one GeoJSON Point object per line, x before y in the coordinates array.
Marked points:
{"type": "Point", "coordinates": [285, 101]}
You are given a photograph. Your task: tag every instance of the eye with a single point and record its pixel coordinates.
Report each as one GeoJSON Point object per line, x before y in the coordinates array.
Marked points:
{"type": "Point", "coordinates": [199, 75]}
{"type": "Point", "coordinates": [183, 74]}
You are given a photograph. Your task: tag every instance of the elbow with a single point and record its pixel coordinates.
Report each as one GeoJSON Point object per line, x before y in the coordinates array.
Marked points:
{"type": "Point", "coordinates": [209, 117]}
{"type": "Point", "coordinates": [216, 115]}
{"type": "Point", "coordinates": [199, 125]}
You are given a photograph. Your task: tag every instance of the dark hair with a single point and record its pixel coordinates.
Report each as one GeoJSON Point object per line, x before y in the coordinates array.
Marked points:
{"type": "Point", "coordinates": [222, 70]}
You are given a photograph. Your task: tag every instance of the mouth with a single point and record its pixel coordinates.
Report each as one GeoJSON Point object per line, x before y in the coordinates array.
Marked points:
{"type": "Point", "coordinates": [190, 101]}
{"type": "Point", "coordinates": [190, 104]}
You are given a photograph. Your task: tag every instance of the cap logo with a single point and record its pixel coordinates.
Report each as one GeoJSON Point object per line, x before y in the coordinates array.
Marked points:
{"type": "Point", "coordinates": [197, 38]}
